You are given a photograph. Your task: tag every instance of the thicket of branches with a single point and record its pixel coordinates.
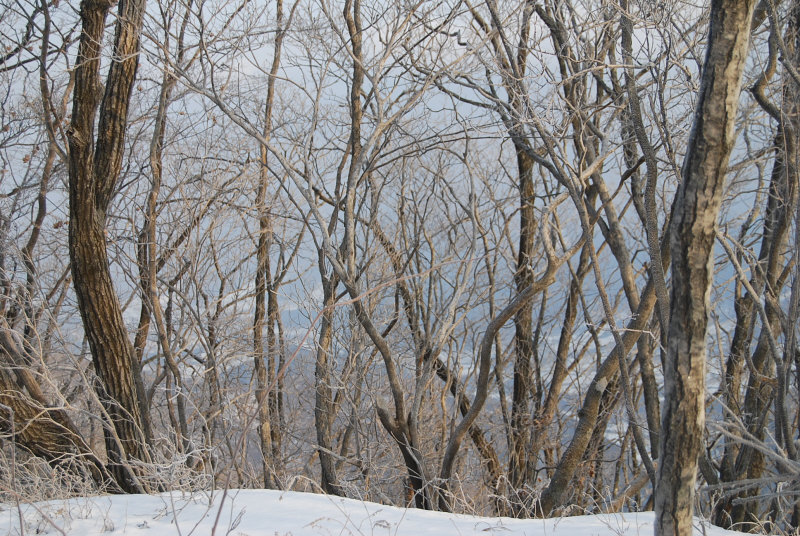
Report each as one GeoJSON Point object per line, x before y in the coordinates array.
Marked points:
{"type": "Point", "coordinates": [497, 257]}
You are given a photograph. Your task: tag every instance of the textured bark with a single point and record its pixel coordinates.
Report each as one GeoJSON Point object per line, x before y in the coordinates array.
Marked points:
{"type": "Point", "coordinates": [323, 398]}
{"type": "Point", "coordinates": [49, 433]}
{"type": "Point", "coordinates": [650, 213]}
{"type": "Point", "coordinates": [745, 461]}
{"type": "Point", "coordinates": [37, 426]}
{"type": "Point", "coordinates": [93, 173]}
{"type": "Point", "coordinates": [692, 235]}
{"type": "Point", "coordinates": [521, 459]}
{"type": "Point", "coordinates": [523, 386]}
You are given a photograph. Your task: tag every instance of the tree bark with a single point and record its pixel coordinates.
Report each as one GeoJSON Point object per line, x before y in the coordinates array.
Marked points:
{"type": "Point", "coordinates": [94, 169]}
{"type": "Point", "coordinates": [523, 387]}
{"type": "Point", "coordinates": [323, 376]}
{"type": "Point", "coordinates": [692, 235]}
{"type": "Point", "coordinates": [36, 426]}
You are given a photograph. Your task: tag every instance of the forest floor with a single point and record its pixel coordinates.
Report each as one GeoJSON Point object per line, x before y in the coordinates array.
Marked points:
{"type": "Point", "coordinates": [276, 513]}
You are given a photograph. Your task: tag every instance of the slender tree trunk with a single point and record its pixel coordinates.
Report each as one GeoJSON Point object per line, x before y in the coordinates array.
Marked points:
{"type": "Point", "coordinates": [266, 295]}
{"type": "Point", "coordinates": [323, 399]}
{"type": "Point", "coordinates": [523, 387]}
{"type": "Point", "coordinates": [692, 235]}
{"type": "Point", "coordinates": [553, 496]}
{"type": "Point", "coordinates": [545, 414]}
{"type": "Point", "coordinates": [150, 269]}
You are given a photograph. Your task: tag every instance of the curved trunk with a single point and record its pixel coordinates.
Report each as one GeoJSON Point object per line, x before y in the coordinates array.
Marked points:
{"type": "Point", "coordinates": [93, 173]}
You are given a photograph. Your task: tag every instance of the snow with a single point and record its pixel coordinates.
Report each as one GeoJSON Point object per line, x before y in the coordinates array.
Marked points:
{"type": "Point", "coordinates": [276, 513]}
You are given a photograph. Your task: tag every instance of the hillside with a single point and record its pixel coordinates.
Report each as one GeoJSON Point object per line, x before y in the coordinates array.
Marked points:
{"type": "Point", "coordinates": [275, 513]}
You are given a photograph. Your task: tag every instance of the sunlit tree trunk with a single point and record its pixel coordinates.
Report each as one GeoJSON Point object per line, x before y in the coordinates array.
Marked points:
{"type": "Point", "coordinates": [692, 236]}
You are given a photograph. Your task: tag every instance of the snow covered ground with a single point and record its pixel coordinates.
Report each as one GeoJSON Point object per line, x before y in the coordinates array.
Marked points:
{"type": "Point", "coordinates": [275, 513]}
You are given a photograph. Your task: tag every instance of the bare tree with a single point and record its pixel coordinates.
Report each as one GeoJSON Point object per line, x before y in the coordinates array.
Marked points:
{"type": "Point", "coordinates": [420, 253]}
{"type": "Point", "coordinates": [94, 168]}
{"type": "Point", "coordinates": [692, 236]}
{"type": "Point", "coordinates": [267, 284]}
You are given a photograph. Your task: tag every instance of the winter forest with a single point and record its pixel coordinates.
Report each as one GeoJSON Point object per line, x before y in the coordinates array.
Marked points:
{"type": "Point", "coordinates": [506, 257]}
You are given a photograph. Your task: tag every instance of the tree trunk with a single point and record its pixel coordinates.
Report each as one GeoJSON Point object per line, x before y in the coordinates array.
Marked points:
{"type": "Point", "coordinates": [93, 174]}
{"type": "Point", "coordinates": [266, 296]}
{"type": "Point", "coordinates": [523, 387]}
{"type": "Point", "coordinates": [553, 495]}
{"type": "Point", "coordinates": [323, 399]}
{"type": "Point", "coordinates": [692, 236]}
{"type": "Point", "coordinates": [42, 430]}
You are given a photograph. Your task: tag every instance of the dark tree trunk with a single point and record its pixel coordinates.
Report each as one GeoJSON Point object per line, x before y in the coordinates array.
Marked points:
{"type": "Point", "coordinates": [37, 427]}
{"type": "Point", "coordinates": [323, 399]}
{"type": "Point", "coordinates": [94, 169]}
{"type": "Point", "coordinates": [523, 387]}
